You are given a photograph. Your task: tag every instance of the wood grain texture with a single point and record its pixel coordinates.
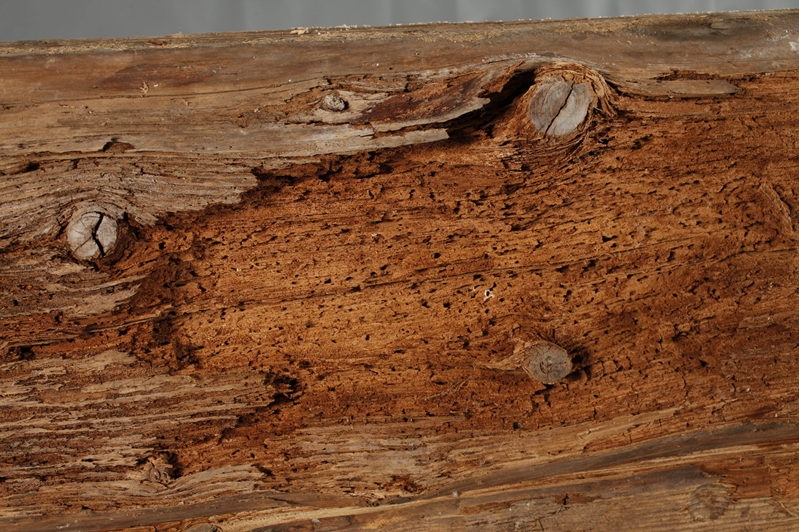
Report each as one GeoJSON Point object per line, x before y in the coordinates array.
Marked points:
{"type": "Point", "coordinates": [314, 314]}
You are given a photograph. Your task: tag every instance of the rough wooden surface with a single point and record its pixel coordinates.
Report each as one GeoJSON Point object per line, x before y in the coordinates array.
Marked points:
{"type": "Point", "coordinates": [289, 281]}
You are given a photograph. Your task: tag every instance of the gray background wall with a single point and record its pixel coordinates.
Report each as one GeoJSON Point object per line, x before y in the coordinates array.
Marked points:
{"type": "Point", "coordinates": [67, 19]}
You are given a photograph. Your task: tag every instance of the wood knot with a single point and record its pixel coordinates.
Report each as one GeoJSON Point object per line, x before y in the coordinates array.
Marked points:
{"type": "Point", "coordinates": [709, 502]}
{"type": "Point", "coordinates": [559, 104]}
{"type": "Point", "coordinates": [92, 235]}
{"type": "Point", "coordinates": [544, 361]}
{"type": "Point", "coordinates": [335, 103]}
{"type": "Point", "coordinates": [203, 527]}
{"type": "Point", "coordinates": [158, 470]}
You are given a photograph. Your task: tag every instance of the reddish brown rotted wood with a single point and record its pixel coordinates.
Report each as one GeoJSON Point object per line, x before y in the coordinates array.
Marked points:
{"type": "Point", "coordinates": [243, 294]}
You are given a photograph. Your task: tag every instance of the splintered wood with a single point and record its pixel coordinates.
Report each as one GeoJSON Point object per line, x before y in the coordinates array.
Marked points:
{"type": "Point", "coordinates": [521, 276]}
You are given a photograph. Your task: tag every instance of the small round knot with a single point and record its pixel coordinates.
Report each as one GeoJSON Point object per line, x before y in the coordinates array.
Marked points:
{"type": "Point", "coordinates": [158, 470]}
{"type": "Point", "coordinates": [334, 102]}
{"type": "Point", "coordinates": [546, 361]}
{"type": "Point", "coordinates": [203, 527]}
{"type": "Point", "coordinates": [91, 235]}
{"type": "Point", "coordinates": [709, 502]}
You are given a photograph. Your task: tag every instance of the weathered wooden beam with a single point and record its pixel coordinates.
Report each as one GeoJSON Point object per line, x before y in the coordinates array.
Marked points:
{"type": "Point", "coordinates": [518, 276]}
